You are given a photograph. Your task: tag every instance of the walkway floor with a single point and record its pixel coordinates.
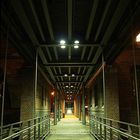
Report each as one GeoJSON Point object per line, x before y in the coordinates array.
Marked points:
{"type": "Point", "coordinates": [69, 128]}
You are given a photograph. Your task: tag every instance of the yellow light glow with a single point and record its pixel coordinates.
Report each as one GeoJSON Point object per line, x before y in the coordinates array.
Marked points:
{"type": "Point", "coordinates": [138, 38]}
{"type": "Point", "coordinates": [69, 111]}
{"type": "Point", "coordinates": [52, 93]}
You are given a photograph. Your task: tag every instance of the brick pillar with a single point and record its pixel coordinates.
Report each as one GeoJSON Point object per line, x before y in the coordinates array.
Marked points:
{"type": "Point", "coordinates": [27, 94]}
{"type": "Point", "coordinates": [112, 98]}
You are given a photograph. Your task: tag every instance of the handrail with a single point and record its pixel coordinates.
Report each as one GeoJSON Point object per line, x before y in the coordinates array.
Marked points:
{"type": "Point", "coordinates": [121, 122]}
{"type": "Point", "coordinates": [40, 126]}
{"type": "Point", "coordinates": [22, 131]}
{"type": "Point", "coordinates": [16, 123]}
{"type": "Point", "coordinates": [102, 128]}
{"type": "Point", "coordinates": [123, 133]}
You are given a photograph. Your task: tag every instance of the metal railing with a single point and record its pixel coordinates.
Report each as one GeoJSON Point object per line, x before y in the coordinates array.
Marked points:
{"type": "Point", "coordinates": [33, 129]}
{"type": "Point", "coordinates": [109, 129]}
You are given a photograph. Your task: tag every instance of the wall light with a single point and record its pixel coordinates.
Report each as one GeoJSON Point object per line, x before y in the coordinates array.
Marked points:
{"type": "Point", "coordinates": [52, 93]}
{"type": "Point", "coordinates": [138, 38]}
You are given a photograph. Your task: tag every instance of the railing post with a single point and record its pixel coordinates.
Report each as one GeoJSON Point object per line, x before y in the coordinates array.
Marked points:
{"type": "Point", "coordinates": [110, 130]}
{"type": "Point", "coordinates": [100, 119]}
{"type": "Point", "coordinates": [35, 129]}
{"type": "Point", "coordinates": [49, 123]}
{"type": "Point", "coordinates": [39, 128]}
{"type": "Point", "coordinates": [11, 130]}
{"type": "Point", "coordinates": [97, 125]}
{"type": "Point", "coordinates": [104, 129]}
{"type": "Point", "coordinates": [29, 130]}
{"type": "Point", "coordinates": [45, 121]}
{"type": "Point", "coordinates": [90, 122]}
{"type": "Point", "coordinates": [129, 131]}
{"type": "Point", "coordinates": [42, 126]}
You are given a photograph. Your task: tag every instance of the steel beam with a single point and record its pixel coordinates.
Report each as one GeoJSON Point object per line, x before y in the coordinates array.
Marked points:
{"type": "Point", "coordinates": [92, 15]}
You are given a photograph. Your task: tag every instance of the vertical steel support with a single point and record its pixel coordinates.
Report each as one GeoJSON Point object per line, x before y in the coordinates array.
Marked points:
{"type": "Point", "coordinates": [39, 128]}
{"type": "Point", "coordinates": [79, 107]}
{"type": "Point", "coordinates": [136, 88]}
{"type": "Point", "coordinates": [135, 71]}
{"type": "Point", "coordinates": [4, 81]}
{"type": "Point", "coordinates": [59, 113]}
{"type": "Point", "coordinates": [36, 74]}
{"type": "Point", "coordinates": [83, 107]}
{"type": "Point", "coordinates": [55, 110]}
{"type": "Point", "coordinates": [104, 93]}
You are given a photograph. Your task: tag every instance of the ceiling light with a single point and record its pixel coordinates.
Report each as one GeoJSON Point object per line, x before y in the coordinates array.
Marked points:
{"type": "Point", "coordinates": [62, 42]}
{"type": "Point", "coordinates": [63, 46]}
{"type": "Point", "coordinates": [73, 75]}
{"type": "Point", "coordinates": [76, 46]}
{"type": "Point", "coordinates": [65, 75]}
{"type": "Point", "coordinates": [138, 38]}
{"type": "Point", "coordinates": [76, 42]}
{"type": "Point", "coordinates": [71, 86]}
{"type": "Point", "coordinates": [67, 86]}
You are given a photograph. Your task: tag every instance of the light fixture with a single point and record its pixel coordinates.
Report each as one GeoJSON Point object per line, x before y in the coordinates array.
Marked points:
{"type": "Point", "coordinates": [62, 42]}
{"type": "Point", "coordinates": [76, 46]}
{"type": "Point", "coordinates": [138, 38]}
{"type": "Point", "coordinates": [73, 75]}
{"type": "Point", "coordinates": [71, 85]}
{"type": "Point", "coordinates": [63, 46]}
{"type": "Point", "coordinates": [67, 86]}
{"type": "Point", "coordinates": [52, 93]}
{"type": "Point", "coordinates": [76, 42]}
{"type": "Point", "coordinates": [65, 75]}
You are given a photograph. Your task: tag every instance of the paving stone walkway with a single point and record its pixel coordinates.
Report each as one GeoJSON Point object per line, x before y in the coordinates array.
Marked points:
{"type": "Point", "coordinates": [69, 129]}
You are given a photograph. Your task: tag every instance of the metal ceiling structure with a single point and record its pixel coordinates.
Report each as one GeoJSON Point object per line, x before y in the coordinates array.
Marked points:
{"type": "Point", "coordinates": [99, 25]}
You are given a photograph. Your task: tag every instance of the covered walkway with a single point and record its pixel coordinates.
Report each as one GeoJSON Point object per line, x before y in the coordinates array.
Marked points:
{"type": "Point", "coordinates": [69, 128]}
{"type": "Point", "coordinates": [76, 57]}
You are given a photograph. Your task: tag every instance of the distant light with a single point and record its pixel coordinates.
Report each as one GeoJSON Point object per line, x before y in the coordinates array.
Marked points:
{"type": "Point", "coordinates": [86, 106]}
{"type": "Point", "coordinates": [69, 111]}
{"type": "Point", "coordinates": [67, 86]}
{"type": "Point", "coordinates": [52, 93]}
{"type": "Point", "coordinates": [63, 46]}
{"type": "Point", "coordinates": [62, 42]}
{"type": "Point", "coordinates": [138, 38]}
{"type": "Point", "coordinates": [76, 46]}
{"type": "Point", "coordinates": [73, 75]}
{"type": "Point", "coordinates": [65, 75]}
{"type": "Point", "coordinates": [71, 86]}
{"type": "Point", "coordinates": [76, 42]}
